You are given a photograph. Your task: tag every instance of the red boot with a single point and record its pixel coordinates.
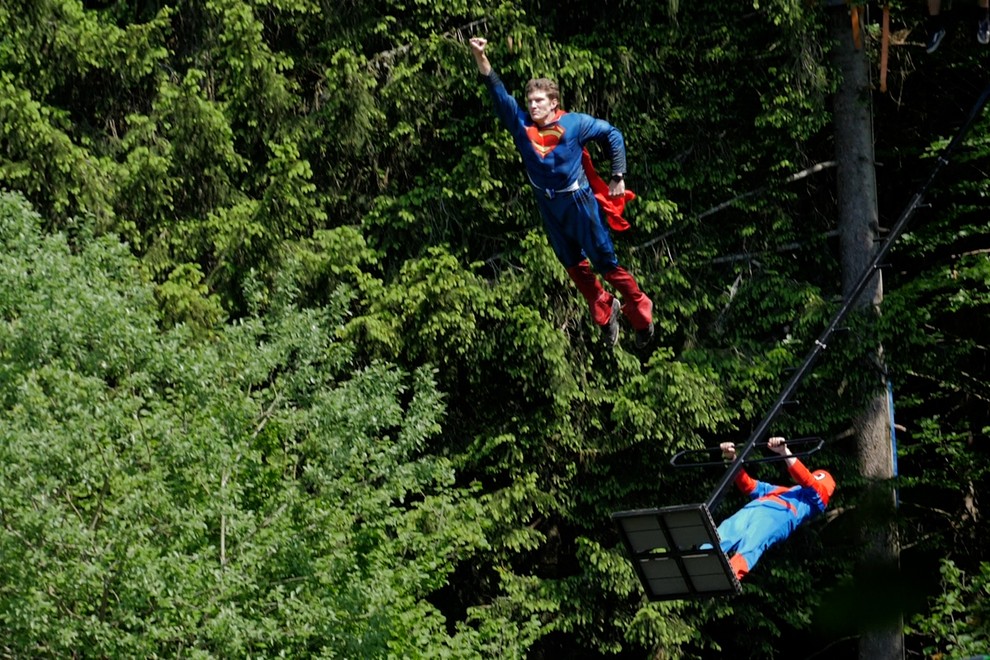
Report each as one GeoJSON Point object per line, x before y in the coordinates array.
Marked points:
{"type": "Point", "coordinates": [599, 300]}
{"type": "Point", "coordinates": [637, 307]}
{"type": "Point", "coordinates": [739, 566]}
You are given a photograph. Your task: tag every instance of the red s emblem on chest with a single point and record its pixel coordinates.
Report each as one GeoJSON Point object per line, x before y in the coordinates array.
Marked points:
{"type": "Point", "coordinates": [544, 140]}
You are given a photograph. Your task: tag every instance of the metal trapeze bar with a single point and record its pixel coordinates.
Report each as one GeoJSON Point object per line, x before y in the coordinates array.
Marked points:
{"type": "Point", "coordinates": [812, 444]}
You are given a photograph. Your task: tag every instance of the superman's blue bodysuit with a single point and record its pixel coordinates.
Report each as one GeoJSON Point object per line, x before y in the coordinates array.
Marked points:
{"type": "Point", "coordinates": [772, 514]}
{"type": "Point", "coordinates": [552, 156]}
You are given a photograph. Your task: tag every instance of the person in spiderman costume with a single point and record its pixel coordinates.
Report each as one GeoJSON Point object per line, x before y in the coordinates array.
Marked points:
{"type": "Point", "coordinates": [552, 145]}
{"type": "Point", "coordinates": [773, 512]}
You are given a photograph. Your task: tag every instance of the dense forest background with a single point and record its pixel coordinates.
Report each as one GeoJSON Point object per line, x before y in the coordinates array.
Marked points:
{"type": "Point", "coordinates": [289, 369]}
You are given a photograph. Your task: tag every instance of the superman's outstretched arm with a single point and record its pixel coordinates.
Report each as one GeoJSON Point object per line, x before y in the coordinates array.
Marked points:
{"type": "Point", "coordinates": [480, 58]}
{"type": "Point", "coordinates": [506, 107]}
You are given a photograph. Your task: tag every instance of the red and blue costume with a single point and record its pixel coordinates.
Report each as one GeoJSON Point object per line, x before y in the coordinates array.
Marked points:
{"type": "Point", "coordinates": [553, 157]}
{"type": "Point", "coordinates": [772, 513]}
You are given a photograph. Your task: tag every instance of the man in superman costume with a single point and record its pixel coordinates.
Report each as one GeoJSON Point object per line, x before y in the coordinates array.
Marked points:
{"type": "Point", "coordinates": [552, 145]}
{"type": "Point", "coordinates": [773, 512]}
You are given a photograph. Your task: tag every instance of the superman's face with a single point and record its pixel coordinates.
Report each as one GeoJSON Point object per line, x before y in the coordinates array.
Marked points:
{"type": "Point", "coordinates": [541, 107]}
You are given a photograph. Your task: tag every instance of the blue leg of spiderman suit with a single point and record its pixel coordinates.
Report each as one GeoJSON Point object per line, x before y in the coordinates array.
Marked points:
{"type": "Point", "coordinates": [753, 529]}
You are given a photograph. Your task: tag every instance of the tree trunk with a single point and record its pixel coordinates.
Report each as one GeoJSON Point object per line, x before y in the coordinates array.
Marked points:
{"type": "Point", "coordinates": [858, 229]}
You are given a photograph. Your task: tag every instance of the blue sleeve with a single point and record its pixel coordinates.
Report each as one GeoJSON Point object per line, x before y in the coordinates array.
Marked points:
{"type": "Point", "coordinates": [506, 107]}
{"type": "Point", "coordinates": [603, 132]}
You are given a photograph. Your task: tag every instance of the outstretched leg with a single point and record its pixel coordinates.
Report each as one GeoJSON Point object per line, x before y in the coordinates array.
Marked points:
{"type": "Point", "coordinates": [750, 531]}
{"type": "Point", "coordinates": [637, 307]}
{"type": "Point", "coordinates": [599, 300]}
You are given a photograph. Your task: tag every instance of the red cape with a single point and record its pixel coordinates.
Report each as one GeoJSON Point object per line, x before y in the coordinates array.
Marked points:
{"type": "Point", "coordinates": [611, 206]}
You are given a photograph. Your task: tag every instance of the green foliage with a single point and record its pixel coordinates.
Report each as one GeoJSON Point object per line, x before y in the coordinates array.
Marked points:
{"type": "Point", "coordinates": [335, 338]}
{"type": "Point", "coordinates": [253, 494]}
{"type": "Point", "coordinates": [184, 298]}
{"type": "Point", "coordinates": [42, 161]}
{"type": "Point", "coordinates": [956, 624]}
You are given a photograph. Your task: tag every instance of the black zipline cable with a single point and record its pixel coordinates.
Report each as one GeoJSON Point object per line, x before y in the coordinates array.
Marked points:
{"type": "Point", "coordinates": [822, 342]}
